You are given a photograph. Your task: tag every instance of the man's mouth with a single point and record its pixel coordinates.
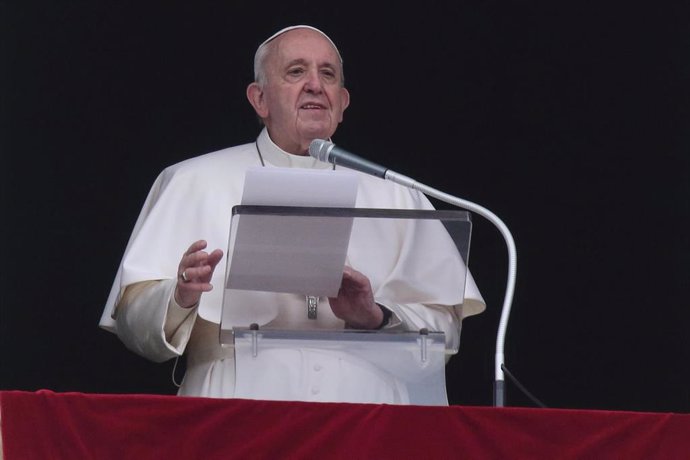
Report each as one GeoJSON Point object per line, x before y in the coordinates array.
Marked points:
{"type": "Point", "coordinates": [312, 106]}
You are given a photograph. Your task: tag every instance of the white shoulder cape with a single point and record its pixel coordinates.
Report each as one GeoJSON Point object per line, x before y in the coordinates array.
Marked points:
{"type": "Point", "coordinates": [193, 200]}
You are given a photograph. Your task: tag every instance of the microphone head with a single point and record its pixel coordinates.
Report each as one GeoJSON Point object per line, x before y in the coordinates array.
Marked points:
{"type": "Point", "coordinates": [320, 149]}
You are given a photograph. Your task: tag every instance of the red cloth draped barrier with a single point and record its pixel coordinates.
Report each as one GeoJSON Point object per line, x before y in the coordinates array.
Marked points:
{"type": "Point", "coordinates": [47, 425]}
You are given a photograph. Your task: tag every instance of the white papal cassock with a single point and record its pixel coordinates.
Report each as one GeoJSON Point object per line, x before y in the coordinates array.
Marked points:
{"type": "Point", "coordinates": [193, 200]}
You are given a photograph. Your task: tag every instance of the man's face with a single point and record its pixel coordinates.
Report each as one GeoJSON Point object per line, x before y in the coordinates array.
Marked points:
{"type": "Point", "coordinates": [302, 98]}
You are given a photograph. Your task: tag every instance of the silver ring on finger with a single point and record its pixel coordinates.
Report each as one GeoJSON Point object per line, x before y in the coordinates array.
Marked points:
{"type": "Point", "coordinates": [183, 276]}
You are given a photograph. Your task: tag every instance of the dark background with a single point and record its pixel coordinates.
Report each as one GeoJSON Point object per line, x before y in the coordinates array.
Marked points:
{"type": "Point", "coordinates": [571, 123]}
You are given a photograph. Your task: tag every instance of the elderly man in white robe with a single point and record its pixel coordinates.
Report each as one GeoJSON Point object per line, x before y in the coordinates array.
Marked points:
{"type": "Point", "coordinates": [167, 295]}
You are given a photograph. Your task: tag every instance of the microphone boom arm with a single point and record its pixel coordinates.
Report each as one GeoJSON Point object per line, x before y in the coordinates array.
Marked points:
{"type": "Point", "coordinates": [326, 151]}
{"type": "Point", "coordinates": [499, 381]}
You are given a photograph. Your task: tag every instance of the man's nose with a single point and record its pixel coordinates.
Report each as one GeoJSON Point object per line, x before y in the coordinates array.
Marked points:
{"type": "Point", "coordinates": [313, 83]}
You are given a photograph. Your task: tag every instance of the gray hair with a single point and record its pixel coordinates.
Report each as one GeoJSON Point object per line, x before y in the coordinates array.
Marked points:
{"type": "Point", "coordinates": [264, 48]}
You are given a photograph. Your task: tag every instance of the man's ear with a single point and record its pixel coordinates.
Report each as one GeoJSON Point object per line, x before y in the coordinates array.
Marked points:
{"type": "Point", "coordinates": [344, 102]}
{"type": "Point", "coordinates": [255, 94]}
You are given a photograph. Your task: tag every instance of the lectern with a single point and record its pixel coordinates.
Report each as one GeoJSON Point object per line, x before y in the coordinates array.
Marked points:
{"type": "Point", "coordinates": [284, 262]}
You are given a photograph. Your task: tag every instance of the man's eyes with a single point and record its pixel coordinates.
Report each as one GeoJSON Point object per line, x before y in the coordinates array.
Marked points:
{"type": "Point", "coordinates": [329, 74]}
{"type": "Point", "coordinates": [296, 71]}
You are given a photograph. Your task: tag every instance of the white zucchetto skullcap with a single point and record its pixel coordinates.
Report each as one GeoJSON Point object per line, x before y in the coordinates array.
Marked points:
{"type": "Point", "coordinates": [300, 26]}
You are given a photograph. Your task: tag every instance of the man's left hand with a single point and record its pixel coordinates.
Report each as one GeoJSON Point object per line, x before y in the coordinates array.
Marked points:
{"type": "Point", "coordinates": [355, 302]}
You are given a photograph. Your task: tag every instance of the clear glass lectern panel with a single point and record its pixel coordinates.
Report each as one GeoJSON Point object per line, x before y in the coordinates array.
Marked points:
{"type": "Point", "coordinates": [279, 256]}
{"type": "Point", "coordinates": [412, 363]}
{"type": "Point", "coordinates": [285, 262]}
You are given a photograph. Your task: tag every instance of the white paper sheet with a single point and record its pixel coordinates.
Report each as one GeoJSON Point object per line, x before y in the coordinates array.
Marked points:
{"type": "Point", "coordinates": [300, 187]}
{"type": "Point", "coordinates": [293, 254]}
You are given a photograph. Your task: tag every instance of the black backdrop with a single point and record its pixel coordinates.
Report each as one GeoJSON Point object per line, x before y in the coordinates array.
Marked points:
{"type": "Point", "coordinates": [569, 122]}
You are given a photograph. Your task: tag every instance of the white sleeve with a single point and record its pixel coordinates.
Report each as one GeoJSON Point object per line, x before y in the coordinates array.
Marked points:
{"type": "Point", "coordinates": [151, 324]}
{"type": "Point", "coordinates": [413, 317]}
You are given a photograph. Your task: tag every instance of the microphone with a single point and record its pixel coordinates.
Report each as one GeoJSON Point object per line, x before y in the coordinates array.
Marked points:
{"type": "Point", "coordinates": [327, 152]}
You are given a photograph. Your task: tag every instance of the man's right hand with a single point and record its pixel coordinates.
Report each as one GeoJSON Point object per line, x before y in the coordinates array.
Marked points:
{"type": "Point", "coordinates": [194, 273]}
